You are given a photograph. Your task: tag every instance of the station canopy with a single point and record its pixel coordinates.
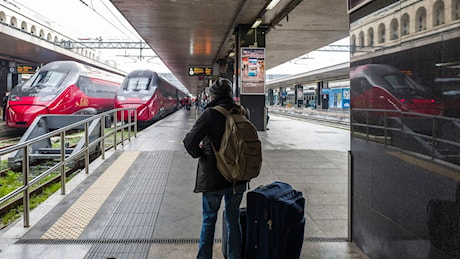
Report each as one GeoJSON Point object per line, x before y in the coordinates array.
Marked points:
{"type": "Point", "coordinates": [185, 33]}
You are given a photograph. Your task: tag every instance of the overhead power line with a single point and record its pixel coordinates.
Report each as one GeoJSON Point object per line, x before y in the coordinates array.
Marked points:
{"type": "Point", "coordinates": [104, 45]}
{"type": "Point", "coordinates": [83, 2]}
{"type": "Point", "coordinates": [122, 24]}
{"type": "Point", "coordinates": [109, 22]}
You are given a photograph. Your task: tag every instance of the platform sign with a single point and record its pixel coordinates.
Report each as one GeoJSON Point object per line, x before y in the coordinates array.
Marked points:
{"type": "Point", "coordinates": [252, 70]}
{"type": "Point", "coordinates": [199, 71]}
{"type": "Point", "coordinates": [26, 69]}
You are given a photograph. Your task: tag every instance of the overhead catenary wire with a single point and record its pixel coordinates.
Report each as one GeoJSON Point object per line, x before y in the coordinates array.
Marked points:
{"type": "Point", "coordinates": [122, 24]}
{"type": "Point", "coordinates": [109, 22]}
{"type": "Point", "coordinates": [51, 23]}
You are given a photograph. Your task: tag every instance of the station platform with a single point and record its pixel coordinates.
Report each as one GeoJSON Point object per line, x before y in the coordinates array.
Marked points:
{"type": "Point", "coordinates": [139, 201]}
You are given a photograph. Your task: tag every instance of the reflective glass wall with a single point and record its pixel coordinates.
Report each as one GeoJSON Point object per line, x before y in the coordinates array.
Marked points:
{"type": "Point", "coordinates": [405, 127]}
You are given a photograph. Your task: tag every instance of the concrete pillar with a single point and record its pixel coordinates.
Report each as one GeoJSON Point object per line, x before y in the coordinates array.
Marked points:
{"type": "Point", "coordinates": [3, 77]}
{"type": "Point", "coordinates": [12, 77]}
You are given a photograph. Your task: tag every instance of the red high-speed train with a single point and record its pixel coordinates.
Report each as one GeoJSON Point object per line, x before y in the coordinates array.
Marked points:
{"type": "Point", "coordinates": [62, 87]}
{"type": "Point", "coordinates": [152, 96]}
{"type": "Point", "coordinates": [379, 86]}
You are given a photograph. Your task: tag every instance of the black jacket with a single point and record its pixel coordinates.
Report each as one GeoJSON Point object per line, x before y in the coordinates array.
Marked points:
{"type": "Point", "coordinates": [4, 100]}
{"type": "Point", "coordinates": [209, 127]}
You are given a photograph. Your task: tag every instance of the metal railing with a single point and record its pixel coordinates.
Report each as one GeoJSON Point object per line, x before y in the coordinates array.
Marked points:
{"type": "Point", "coordinates": [437, 130]}
{"type": "Point", "coordinates": [99, 119]}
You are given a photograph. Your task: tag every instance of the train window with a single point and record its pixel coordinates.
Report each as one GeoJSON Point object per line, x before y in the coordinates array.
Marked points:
{"type": "Point", "coordinates": [104, 90]}
{"type": "Point", "coordinates": [85, 85]}
{"type": "Point", "coordinates": [97, 88]}
{"type": "Point", "coordinates": [48, 81]}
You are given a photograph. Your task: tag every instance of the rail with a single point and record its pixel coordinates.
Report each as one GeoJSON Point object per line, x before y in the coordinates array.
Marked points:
{"type": "Point", "coordinates": [338, 119]}
{"type": "Point", "coordinates": [434, 136]}
{"type": "Point", "coordinates": [100, 119]}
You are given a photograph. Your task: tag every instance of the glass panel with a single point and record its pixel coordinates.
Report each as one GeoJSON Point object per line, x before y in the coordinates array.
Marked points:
{"type": "Point", "coordinates": [405, 125]}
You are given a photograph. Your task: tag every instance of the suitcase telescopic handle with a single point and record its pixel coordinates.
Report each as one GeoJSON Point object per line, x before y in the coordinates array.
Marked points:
{"type": "Point", "coordinates": [256, 239]}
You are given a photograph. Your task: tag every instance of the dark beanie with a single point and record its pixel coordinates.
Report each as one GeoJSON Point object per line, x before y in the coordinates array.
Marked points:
{"type": "Point", "coordinates": [222, 87]}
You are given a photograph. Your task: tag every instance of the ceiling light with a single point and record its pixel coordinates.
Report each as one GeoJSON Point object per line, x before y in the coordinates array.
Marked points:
{"type": "Point", "coordinates": [256, 23]}
{"type": "Point", "coordinates": [272, 4]}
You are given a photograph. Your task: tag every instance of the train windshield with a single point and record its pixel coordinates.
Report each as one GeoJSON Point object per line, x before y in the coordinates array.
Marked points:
{"type": "Point", "coordinates": [48, 81]}
{"type": "Point", "coordinates": [400, 82]}
{"type": "Point", "coordinates": [137, 84]}
{"type": "Point", "coordinates": [405, 87]}
{"type": "Point", "coordinates": [396, 82]}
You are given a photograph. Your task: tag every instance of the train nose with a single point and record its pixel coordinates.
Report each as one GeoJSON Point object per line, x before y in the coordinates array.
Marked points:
{"type": "Point", "coordinates": [126, 114]}
{"type": "Point", "coordinates": [23, 116]}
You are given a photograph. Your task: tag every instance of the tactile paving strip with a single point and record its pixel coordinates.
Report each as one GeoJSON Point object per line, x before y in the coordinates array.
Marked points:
{"type": "Point", "coordinates": [74, 221]}
{"type": "Point", "coordinates": [136, 213]}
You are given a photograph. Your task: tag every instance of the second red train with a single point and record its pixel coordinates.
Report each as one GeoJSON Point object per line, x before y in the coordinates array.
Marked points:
{"type": "Point", "coordinates": [153, 96]}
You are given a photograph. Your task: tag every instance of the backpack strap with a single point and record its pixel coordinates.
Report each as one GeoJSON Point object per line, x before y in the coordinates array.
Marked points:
{"type": "Point", "coordinates": [221, 110]}
{"type": "Point", "coordinates": [240, 109]}
{"type": "Point", "coordinates": [224, 112]}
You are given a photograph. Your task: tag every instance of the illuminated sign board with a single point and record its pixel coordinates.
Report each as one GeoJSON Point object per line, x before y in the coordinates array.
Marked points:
{"type": "Point", "coordinates": [199, 71]}
{"type": "Point", "coordinates": [252, 70]}
{"type": "Point", "coordinates": [26, 69]}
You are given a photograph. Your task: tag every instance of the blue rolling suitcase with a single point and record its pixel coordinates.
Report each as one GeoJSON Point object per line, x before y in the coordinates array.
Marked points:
{"type": "Point", "coordinates": [275, 222]}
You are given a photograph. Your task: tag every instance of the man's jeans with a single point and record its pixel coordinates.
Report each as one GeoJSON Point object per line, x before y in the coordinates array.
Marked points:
{"type": "Point", "coordinates": [211, 204]}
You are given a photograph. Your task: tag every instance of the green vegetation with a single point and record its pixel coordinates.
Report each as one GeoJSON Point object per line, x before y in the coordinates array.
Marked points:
{"type": "Point", "coordinates": [12, 180]}
{"type": "Point", "coordinates": [9, 182]}
{"type": "Point", "coordinates": [36, 200]}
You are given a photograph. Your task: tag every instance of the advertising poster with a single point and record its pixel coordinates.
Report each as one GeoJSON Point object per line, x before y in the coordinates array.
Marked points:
{"type": "Point", "coordinates": [252, 71]}
{"type": "Point", "coordinates": [346, 98]}
{"type": "Point", "coordinates": [339, 98]}
{"type": "Point", "coordinates": [299, 90]}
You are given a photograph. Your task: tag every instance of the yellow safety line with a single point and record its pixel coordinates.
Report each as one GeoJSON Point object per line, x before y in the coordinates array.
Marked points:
{"type": "Point", "coordinates": [74, 221]}
{"type": "Point", "coordinates": [430, 166]}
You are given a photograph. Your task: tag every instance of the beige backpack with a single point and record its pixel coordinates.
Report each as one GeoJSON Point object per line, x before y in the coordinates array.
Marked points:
{"type": "Point", "coordinates": [240, 155]}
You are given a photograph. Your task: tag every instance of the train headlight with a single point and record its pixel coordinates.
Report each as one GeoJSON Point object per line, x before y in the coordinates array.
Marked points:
{"type": "Point", "coordinates": [47, 98]}
{"type": "Point", "coordinates": [15, 98]}
{"type": "Point", "coordinates": [121, 98]}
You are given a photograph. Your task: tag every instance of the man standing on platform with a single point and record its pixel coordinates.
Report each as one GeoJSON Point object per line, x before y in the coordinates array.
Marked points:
{"type": "Point", "coordinates": [4, 104]}
{"type": "Point", "coordinates": [209, 128]}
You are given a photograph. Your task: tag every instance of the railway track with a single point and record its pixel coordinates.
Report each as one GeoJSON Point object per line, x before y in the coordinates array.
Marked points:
{"type": "Point", "coordinates": [8, 141]}
{"type": "Point", "coordinates": [6, 132]}
{"type": "Point", "coordinates": [316, 119]}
